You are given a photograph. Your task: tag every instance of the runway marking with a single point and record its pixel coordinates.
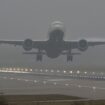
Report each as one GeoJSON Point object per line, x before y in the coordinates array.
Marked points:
{"type": "Point", "coordinates": [57, 83]}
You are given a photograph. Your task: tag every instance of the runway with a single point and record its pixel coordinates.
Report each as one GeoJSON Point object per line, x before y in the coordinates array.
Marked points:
{"type": "Point", "coordinates": [38, 81]}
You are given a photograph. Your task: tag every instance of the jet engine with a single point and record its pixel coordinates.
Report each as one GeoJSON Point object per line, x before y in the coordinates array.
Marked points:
{"type": "Point", "coordinates": [83, 45]}
{"type": "Point", "coordinates": [28, 44]}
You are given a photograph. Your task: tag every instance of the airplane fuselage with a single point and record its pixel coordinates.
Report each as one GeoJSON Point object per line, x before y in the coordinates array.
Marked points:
{"type": "Point", "coordinates": [56, 35]}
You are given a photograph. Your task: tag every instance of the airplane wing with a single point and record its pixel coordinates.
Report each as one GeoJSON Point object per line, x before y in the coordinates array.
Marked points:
{"type": "Point", "coordinates": [94, 43]}
{"type": "Point", "coordinates": [13, 42]}
{"type": "Point", "coordinates": [44, 53]}
{"type": "Point", "coordinates": [82, 43]}
{"type": "Point", "coordinates": [66, 45]}
{"type": "Point", "coordinates": [36, 44]}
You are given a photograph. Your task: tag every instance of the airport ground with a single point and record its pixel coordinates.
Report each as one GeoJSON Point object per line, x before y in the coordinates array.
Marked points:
{"type": "Point", "coordinates": [50, 99]}
{"type": "Point", "coordinates": [20, 81]}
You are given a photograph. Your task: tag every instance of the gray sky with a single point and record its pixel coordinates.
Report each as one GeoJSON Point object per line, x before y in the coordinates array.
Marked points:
{"type": "Point", "coordinates": [20, 19]}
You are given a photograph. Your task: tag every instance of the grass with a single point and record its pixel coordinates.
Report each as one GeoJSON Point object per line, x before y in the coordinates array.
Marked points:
{"type": "Point", "coordinates": [47, 100]}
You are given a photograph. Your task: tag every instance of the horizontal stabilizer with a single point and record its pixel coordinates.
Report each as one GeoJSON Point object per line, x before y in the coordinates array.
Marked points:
{"type": "Point", "coordinates": [65, 53]}
{"type": "Point", "coordinates": [44, 53]}
{"type": "Point", "coordinates": [34, 53]}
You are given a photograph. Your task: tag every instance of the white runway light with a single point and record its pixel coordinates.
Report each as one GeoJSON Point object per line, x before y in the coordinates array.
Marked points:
{"type": "Point", "coordinates": [102, 73]}
{"type": "Point", "coordinates": [71, 72]}
{"type": "Point", "coordinates": [94, 88]}
{"type": "Point", "coordinates": [58, 71]}
{"type": "Point", "coordinates": [41, 70]}
{"type": "Point", "coordinates": [85, 72]}
{"type": "Point", "coordinates": [78, 72]}
{"type": "Point", "coordinates": [35, 81]}
{"type": "Point", "coordinates": [44, 82]}
{"type": "Point", "coordinates": [11, 78]}
{"type": "Point", "coordinates": [26, 69]}
{"type": "Point", "coordinates": [64, 71]}
{"type": "Point", "coordinates": [52, 71]}
{"type": "Point", "coordinates": [66, 84]}
{"type": "Point", "coordinates": [55, 83]}
{"type": "Point", "coordinates": [26, 80]}
{"type": "Point", "coordinates": [30, 70]}
{"type": "Point", "coordinates": [79, 86]}
{"type": "Point", "coordinates": [93, 73]}
{"type": "Point", "coordinates": [46, 70]}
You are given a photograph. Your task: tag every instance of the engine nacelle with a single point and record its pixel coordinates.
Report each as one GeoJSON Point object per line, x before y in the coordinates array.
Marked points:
{"type": "Point", "coordinates": [83, 45]}
{"type": "Point", "coordinates": [28, 44]}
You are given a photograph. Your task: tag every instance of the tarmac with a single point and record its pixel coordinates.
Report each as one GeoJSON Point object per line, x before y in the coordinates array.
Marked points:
{"type": "Point", "coordinates": [80, 84]}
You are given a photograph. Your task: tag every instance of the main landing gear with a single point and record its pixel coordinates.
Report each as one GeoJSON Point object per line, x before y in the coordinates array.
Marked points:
{"type": "Point", "coordinates": [69, 58]}
{"type": "Point", "coordinates": [39, 57]}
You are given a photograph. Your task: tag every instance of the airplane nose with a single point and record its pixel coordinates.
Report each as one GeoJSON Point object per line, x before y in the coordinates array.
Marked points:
{"type": "Point", "coordinates": [57, 25]}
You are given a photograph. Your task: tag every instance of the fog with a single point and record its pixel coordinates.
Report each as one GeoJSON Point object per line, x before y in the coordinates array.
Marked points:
{"type": "Point", "coordinates": [21, 19]}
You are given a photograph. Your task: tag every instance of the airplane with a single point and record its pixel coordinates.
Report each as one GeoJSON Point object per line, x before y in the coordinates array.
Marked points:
{"type": "Point", "coordinates": [55, 45]}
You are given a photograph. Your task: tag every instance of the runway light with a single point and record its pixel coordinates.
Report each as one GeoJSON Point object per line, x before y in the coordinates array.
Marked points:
{"type": "Point", "coordinates": [6, 69]}
{"type": "Point", "coordinates": [94, 87]}
{"type": "Point", "coordinates": [22, 69]}
{"type": "Point", "coordinates": [10, 69]}
{"type": "Point", "coordinates": [64, 71]}
{"type": "Point", "coordinates": [52, 71]}
{"type": "Point", "coordinates": [71, 84]}
{"type": "Point", "coordinates": [26, 69]}
{"type": "Point", "coordinates": [11, 78]}
{"type": "Point", "coordinates": [18, 79]}
{"type": "Point", "coordinates": [55, 83]}
{"type": "Point", "coordinates": [18, 69]}
{"type": "Point", "coordinates": [30, 69]}
{"type": "Point", "coordinates": [41, 70]}
{"type": "Point", "coordinates": [25, 80]}
{"type": "Point", "coordinates": [46, 70]}
{"type": "Point", "coordinates": [58, 71]}
{"type": "Point", "coordinates": [44, 82]}
{"type": "Point", "coordinates": [78, 72]}
{"type": "Point", "coordinates": [79, 86]}
{"type": "Point", "coordinates": [93, 73]}
{"type": "Point", "coordinates": [102, 73]}
{"type": "Point", "coordinates": [3, 69]}
{"type": "Point", "coordinates": [85, 72]}
{"type": "Point", "coordinates": [35, 81]}
{"type": "Point", "coordinates": [71, 72]}
{"type": "Point", "coordinates": [14, 69]}
{"type": "Point", "coordinates": [66, 84]}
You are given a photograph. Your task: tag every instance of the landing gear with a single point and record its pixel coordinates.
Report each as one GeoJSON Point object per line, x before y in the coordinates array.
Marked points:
{"type": "Point", "coordinates": [69, 58]}
{"type": "Point", "coordinates": [39, 57]}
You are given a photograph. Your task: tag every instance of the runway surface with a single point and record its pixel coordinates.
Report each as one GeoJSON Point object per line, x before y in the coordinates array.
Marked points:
{"type": "Point", "coordinates": [38, 81]}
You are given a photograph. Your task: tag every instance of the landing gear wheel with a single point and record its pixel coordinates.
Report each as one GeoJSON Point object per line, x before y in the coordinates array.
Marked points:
{"type": "Point", "coordinates": [39, 57]}
{"type": "Point", "coordinates": [69, 58]}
